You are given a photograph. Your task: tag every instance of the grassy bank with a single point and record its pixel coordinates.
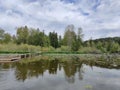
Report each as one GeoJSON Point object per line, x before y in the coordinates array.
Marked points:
{"type": "Point", "coordinates": [25, 48]}
{"type": "Point", "coordinates": [13, 48]}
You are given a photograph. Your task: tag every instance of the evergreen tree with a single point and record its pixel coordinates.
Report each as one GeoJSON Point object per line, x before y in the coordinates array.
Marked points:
{"type": "Point", "coordinates": [60, 41]}
{"type": "Point", "coordinates": [53, 39]}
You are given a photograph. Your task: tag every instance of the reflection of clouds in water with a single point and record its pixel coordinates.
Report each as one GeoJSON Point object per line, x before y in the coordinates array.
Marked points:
{"type": "Point", "coordinates": [103, 79]}
{"type": "Point", "coordinates": [106, 84]}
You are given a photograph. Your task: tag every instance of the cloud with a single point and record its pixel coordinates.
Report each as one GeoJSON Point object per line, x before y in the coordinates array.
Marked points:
{"type": "Point", "coordinates": [96, 17]}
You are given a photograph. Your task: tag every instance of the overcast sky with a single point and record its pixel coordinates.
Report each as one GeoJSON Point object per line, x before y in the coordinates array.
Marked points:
{"type": "Point", "coordinates": [98, 18]}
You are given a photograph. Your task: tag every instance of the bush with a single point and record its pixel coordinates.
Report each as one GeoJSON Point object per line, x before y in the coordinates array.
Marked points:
{"type": "Point", "coordinates": [89, 50]}
{"type": "Point", "coordinates": [65, 48]}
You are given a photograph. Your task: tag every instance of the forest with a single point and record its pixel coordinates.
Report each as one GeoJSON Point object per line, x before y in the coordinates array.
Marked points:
{"type": "Point", "coordinates": [30, 39]}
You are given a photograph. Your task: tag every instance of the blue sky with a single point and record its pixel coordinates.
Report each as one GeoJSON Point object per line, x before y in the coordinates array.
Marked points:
{"type": "Point", "coordinates": [98, 18]}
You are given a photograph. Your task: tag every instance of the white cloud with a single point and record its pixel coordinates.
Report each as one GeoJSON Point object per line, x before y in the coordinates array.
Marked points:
{"type": "Point", "coordinates": [96, 17]}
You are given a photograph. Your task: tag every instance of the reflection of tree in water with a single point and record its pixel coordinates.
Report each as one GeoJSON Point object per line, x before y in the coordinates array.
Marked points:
{"type": "Point", "coordinates": [53, 65]}
{"type": "Point", "coordinates": [70, 70]}
{"type": "Point", "coordinates": [5, 65]}
{"type": "Point", "coordinates": [80, 70]}
{"type": "Point", "coordinates": [24, 71]}
{"type": "Point", "coordinates": [35, 69]}
{"type": "Point", "coordinates": [21, 72]}
{"type": "Point", "coordinates": [72, 67]}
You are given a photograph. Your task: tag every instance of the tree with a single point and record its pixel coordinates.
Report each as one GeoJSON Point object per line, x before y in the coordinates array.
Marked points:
{"type": "Point", "coordinates": [69, 36]}
{"type": "Point", "coordinates": [46, 41]}
{"type": "Point", "coordinates": [71, 39]}
{"type": "Point", "coordinates": [114, 48]}
{"type": "Point", "coordinates": [4, 37]}
{"type": "Point", "coordinates": [75, 44]}
{"type": "Point", "coordinates": [22, 35]}
{"type": "Point", "coordinates": [14, 39]}
{"type": "Point", "coordinates": [102, 47]}
{"type": "Point", "coordinates": [1, 34]}
{"type": "Point", "coordinates": [41, 39]}
{"type": "Point", "coordinates": [53, 39]}
{"type": "Point", "coordinates": [7, 38]}
{"type": "Point", "coordinates": [60, 41]}
{"type": "Point", "coordinates": [79, 38]}
{"type": "Point", "coordinates": [35, 37]}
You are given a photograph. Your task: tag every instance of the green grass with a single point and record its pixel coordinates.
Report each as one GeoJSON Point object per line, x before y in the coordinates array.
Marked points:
{"type": "Point", "coordinates": [14, 52]}
{"type": "Point", "coordinates": [61, 52]}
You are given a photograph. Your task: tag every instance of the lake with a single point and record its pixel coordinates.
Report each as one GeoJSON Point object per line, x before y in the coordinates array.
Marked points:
{"type": "Point", "coordinates": [58, 74]}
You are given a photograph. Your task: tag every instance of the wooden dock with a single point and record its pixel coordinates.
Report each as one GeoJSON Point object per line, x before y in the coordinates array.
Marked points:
{"type": "Point", "coordinates": [16, 57]}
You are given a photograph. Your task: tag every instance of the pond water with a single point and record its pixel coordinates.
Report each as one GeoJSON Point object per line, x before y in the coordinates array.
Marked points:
{"type": "Point", "coordinates": [58, 75]}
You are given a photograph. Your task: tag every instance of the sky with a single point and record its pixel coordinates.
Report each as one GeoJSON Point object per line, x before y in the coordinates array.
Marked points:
{"type": "Point", "coordinates": [97, 18]}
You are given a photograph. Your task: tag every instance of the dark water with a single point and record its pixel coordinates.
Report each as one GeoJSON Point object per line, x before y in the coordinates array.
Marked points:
{"type": "Point", "coordinates": [58, 75]}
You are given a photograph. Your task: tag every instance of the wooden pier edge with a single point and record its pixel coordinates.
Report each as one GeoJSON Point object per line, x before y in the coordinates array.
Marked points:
{"type": "Point", "coordinates": [16, 57]}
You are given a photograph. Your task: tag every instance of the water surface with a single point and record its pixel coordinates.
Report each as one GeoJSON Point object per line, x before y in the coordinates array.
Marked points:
{"type": "Point", "coordinates": [58, 75]}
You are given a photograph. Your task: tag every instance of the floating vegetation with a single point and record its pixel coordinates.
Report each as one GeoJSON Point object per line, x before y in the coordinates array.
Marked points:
{"type": "Point", "coordinates": [89, 87]}
{"type": "Point", "coordinates": [88, 59]}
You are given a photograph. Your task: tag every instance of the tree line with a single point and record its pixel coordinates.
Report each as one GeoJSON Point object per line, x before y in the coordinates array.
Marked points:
{"type": "Point", "coordinates": [109, 44]}
{"type": "Point", "coordinates": [72, 39]}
